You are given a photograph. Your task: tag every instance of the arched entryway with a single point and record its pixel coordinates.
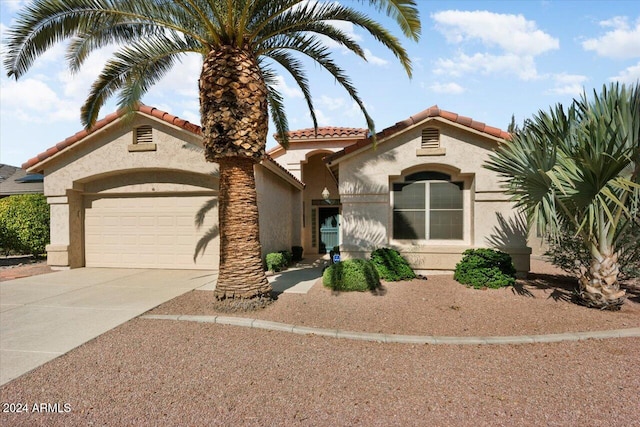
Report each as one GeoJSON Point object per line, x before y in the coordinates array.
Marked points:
{"type": "Point", "coordinates": [322, 209]}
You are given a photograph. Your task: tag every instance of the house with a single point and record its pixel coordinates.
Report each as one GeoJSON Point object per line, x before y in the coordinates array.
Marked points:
{"type": "Point", "coordinates": [421, 188]}
{"type": "Point", "coordinates": [14, 180]}
{"type": "Point", "coordinates": [125, 194]}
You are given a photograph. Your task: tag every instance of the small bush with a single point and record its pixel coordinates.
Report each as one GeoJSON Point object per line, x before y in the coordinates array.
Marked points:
{"type": "Point", "coordinates": [296, 253]}
{"type": "Point", "coordinates": [287, 257]}
{"type": "Point", "coordinates": [351, 275]}
{"type": "Point", "coordinates": [276, 261]}
{"type": "Point", "coordinates": [485, 268]}
{"type": "Point", "coordinates": [391, 266]}
{"type": "Point", "coordinates": [24, 224]}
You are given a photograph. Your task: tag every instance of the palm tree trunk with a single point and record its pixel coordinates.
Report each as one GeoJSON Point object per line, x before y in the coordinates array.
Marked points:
{"type": "Point", "coordinates": [241, 274]}
{"type": "Point", "coordinates": [599, 287]}
{"type": "Point", "coordinates": [233, 107]}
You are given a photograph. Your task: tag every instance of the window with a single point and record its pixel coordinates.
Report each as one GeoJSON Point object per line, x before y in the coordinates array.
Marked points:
{"type": "Point", "coordinates": [428, 206]}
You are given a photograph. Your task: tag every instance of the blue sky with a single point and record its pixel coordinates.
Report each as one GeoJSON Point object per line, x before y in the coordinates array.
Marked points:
{"type": "Point", "coordinates": [483, 59]}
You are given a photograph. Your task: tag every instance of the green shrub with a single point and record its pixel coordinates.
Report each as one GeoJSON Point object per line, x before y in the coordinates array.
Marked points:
{"type": "Point", "coordinates": [276, 261]}
{"type": "Point", "coordinates": [391, 266]}
{"type": "Point", "coordinates": [351, 275]}
{"type": "Point", "coordinates": [485, 268]}
{"type": "Point", "coordinates": [24, 224]}
{"type": "Point", "coordinates": [287, 257]}
{"type": "Point", "coordinates": [296, 253]}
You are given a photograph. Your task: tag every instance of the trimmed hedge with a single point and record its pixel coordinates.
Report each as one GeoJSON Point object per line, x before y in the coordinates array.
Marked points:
{"type": "Point", "coordinates": [485, 268]}
{"type": "Point", "coordinates": [278, 261]}
{"type": "Point", "coordinates": [391, 266]}
{"type": "Point", "coordinates": [351, 275]}
{"type": "Point", "coordinates": [275, 261]}
{"type": "Point", "coordinates": [24, 224]}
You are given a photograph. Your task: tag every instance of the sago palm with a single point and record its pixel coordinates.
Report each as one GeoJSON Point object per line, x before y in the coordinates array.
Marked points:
{"type": "Point", "coordinates": [243, 43]}
{"type": "Point", "coordinates": [579, 169]}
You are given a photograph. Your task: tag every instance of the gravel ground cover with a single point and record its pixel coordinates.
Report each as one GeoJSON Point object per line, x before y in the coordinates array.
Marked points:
{"type": "Point", "coordinates": [152, 372]}
{"type": "Point", "coordinates": [438, 306]}
{"type": "Point", "coordinates": [17, 267]}
{"type": "Point", "coordinates": [162, 372]}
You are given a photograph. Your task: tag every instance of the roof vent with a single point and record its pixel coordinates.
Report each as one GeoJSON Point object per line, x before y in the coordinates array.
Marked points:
{"type": "Point", "coordinates": [430, 138]}
{"type": "Point", "coordinates": [143, 135]}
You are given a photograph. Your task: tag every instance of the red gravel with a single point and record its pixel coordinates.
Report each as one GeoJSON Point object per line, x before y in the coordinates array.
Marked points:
{"type": "Point", "coordinates": [152, 372]}
{"type": "Point", "coordinates": [438, 306]}
{"type": "Point", "coordinates": [10, 272]}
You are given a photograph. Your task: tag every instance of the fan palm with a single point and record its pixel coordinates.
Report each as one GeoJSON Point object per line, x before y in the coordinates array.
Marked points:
{"type": "Point", "coordinates": [242, 42]}
{"type": "Point", "coordinates": [579, 170]}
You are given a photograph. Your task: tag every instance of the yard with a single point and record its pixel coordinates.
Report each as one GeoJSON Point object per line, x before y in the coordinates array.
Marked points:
{"type": "Point", "coordinates": [150, 372]}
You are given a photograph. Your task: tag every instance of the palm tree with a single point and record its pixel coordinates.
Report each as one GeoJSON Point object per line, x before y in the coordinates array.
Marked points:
{"type": "Point", "coordinates": [579, 170]}
{"type": "Point", "coordinates": [241, 43]}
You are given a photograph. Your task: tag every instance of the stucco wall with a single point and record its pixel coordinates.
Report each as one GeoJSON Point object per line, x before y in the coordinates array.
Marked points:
{"type": "Point", "coordinates": [294, 157]}
{"type": "Point", "coordinates": [106, 154]}
{"type": "Point", "coordinates": [365, 179]}
{"type": "Point", "coordinates": [279, 207]}
{"type": "Point", "coordinates": [106, 164]}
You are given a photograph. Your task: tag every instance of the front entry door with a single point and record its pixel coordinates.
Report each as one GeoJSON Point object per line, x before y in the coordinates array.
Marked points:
{"type": "Point", "coordinates": [329, 230]}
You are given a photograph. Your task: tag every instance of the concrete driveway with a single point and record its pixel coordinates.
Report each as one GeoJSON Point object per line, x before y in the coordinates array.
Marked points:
{"type": "Point", "coordinates": [43, 317]}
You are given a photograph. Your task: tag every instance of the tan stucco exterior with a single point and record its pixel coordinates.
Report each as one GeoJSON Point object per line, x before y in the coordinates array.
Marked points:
{"type": "Point", "coordinates": [108, 164]}
{"type": "Point", "coordinates": [366, 176]}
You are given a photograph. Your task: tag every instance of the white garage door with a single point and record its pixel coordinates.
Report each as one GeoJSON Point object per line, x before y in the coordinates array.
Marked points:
{"type": "Point", "coordinates": [147, 232]}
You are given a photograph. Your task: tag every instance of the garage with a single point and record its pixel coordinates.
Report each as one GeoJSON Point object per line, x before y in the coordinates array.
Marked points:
{"type": "Point", "coordinates": [125, 193]}
{"type": "Point", "coordinates": [147, 231]}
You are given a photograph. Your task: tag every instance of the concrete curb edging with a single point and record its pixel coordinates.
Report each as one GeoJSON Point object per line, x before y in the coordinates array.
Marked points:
{"type": "Point", "coordinates": [399, 339]}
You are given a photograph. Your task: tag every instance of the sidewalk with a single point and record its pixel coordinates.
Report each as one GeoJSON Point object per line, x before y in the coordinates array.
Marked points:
{"type": "Point", "coordinates": [301, 277]}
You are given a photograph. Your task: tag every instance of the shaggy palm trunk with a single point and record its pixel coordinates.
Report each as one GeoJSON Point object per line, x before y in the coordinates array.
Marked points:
{"type": "Point", "coordinates": [233, 106]}
{"type": "Point", "coordinates": [599, 287]}
{"type": "Point", "coordinates": [241, 274]}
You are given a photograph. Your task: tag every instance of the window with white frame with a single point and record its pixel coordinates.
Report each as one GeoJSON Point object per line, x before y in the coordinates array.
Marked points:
{"type": "Point", "coordinates": [428, 206]}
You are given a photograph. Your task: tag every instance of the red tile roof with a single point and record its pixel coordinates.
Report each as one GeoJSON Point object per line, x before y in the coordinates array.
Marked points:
{"type": "Point", "coordinates": [431, 112]}
{"type": "Point", "coordinates": [327, 132]}
{"type": "Point", "coordinates": [151, 111]}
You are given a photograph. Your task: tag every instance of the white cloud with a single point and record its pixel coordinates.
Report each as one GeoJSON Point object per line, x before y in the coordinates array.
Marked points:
{"type": "Point", "coordinates": [622, 42]}
{"type": "Point", "coordinates": [511, 33]}
{"type": "Point", "coordinates": [629, 75]}
{"type": "Point", "coordinates": [323, 119]}
{"type": "Point", "coordinates": [447, 88]}
{"type": "Point", "coordinates": [568, 84]}
{"type": "Point", "coordinates": [191, 116]}
{"type": "Point", "coordinates": [15, 5]}
{"type": "Point", "coordinates": [77, 85]}
{"type": "Point", "coordinates": [510, 43]}
{"type": "Point", "coordinates": [34, 101]}
{"type": "Point", "coordinates": [372, 59]}
{"type": "Point", "coordinates": [183, 78]}
{"type": "Point", "coordinates": [330, 103]}
{"type": "Point", "coordinates": [486, 63]}
{"type": "Point", "coordinates": [286, 90]}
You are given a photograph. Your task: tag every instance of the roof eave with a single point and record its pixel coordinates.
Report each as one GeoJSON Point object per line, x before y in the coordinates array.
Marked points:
{"type": "Point", "coordinates": [381, 138]}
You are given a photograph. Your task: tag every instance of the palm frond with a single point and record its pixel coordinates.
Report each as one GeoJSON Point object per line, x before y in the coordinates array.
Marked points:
{"type": "Point", "coordinates": [405, 12]}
